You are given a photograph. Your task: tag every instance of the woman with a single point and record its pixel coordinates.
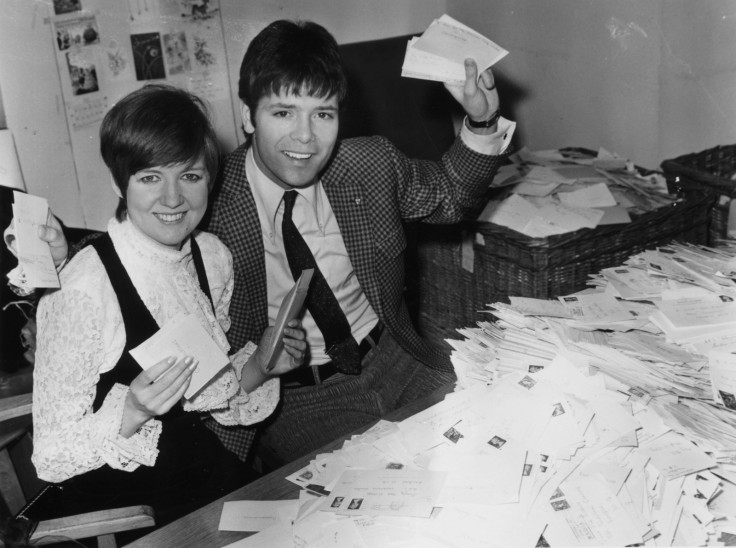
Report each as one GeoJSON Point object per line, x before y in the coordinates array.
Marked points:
{"type": "Point", "coordinates": [113, 434]}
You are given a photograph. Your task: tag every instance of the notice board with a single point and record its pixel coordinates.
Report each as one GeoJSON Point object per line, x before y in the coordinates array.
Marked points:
{"type": "Point", "coordinates": [107, 48]}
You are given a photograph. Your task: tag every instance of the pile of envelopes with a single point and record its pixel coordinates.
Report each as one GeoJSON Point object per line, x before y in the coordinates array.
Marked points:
{"type": "Point", "coordinates": [656, 336]}
{"type": "Point", "coordinates": [579, 420]}
{"type": "Point", "coordinates": [555, 192]}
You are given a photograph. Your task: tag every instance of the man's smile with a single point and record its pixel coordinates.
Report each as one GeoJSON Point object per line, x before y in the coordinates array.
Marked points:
{"type": "Point", "coordinates": [298, 155]}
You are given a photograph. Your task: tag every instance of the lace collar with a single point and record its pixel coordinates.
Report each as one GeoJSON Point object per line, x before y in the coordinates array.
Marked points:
{"type": "Point", "coordinates": [129, 240]}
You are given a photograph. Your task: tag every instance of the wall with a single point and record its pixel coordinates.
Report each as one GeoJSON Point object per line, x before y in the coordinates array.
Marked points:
{"type": "Point", "coordinates": [62, 166]}
{"type": "Point", "coordinates": [648, 80]}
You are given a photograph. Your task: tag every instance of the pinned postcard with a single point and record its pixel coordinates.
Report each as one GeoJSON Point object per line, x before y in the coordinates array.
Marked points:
{"type": "Point", "coordinates": [183, 336]}
{"type": "Point", "coordinates": [439, 53]}
{"type": "Point", "coordinates": [34, 256]}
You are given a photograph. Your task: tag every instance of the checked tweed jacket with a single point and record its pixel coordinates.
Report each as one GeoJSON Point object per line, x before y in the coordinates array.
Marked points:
{"type": "Point", "coordinates": [372, 188]}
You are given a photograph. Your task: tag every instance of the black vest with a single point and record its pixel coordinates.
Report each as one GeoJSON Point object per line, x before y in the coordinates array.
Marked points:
{"type": "Point", "coordinates": [192, 467]}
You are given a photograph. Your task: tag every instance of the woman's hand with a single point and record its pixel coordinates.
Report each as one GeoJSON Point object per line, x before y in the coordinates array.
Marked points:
{"type": "Point", "coordinates": [51, 233]}
{"type": "Point", "coordinates": [154, 391]}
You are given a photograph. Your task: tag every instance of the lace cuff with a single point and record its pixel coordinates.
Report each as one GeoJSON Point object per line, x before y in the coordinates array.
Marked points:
{"type": "Point", "coordinates": [249, 408]}
{"type": "Point", "coordinates": [125, 453]}
{"type": "Point", "coordinates": [241, 357]}
{"type": "Point", "coordinates": [259, 404]}
{"type": "Point", "coordinates": [18, 283]}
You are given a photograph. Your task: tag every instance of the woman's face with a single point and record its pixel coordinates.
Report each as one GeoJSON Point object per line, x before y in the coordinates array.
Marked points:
{"type": "Point", "coordinates": [167, 203]}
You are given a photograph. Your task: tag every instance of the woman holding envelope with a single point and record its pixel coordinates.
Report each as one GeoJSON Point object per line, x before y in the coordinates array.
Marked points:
{"type": "Point", "coordinates": [111, 433]}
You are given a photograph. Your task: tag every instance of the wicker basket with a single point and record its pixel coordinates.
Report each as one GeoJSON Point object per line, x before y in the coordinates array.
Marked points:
{"type": "Point", "coordinates": [507, 263]}
{"type": "Point", "coordinates": [716, 169]}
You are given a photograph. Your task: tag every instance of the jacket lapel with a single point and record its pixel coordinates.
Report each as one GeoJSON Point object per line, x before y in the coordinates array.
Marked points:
{"type": "Point", "coordinates": [352, 210]}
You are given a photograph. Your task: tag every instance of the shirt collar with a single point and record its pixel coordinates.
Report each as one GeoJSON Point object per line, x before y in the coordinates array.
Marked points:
{"type": "Point", "coordinates": [268, 194]}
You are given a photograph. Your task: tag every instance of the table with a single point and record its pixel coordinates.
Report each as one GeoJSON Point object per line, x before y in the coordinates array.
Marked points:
{"type": "Point", "coordinates": [200, 527]}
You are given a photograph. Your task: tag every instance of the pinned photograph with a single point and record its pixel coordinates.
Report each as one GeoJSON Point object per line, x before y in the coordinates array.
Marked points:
{"type": "Point", "coordinates": [79, 31]}
{"type": "Point", "coordinates": [203, 52]}
{"type": "Point", "coordinates": [202, 9]}
{"type": "Point", "coordinates": [147, 56]}
{"type": "Point", "coordinates": [67, 6]}
{"type": "Point", "coordinates": [82, 72]}
{"type": "Point", "coordinates": [337, 502]}
{"type": "Point", "coordinates": [177, 53]}
{"type": "Point", "coordinates": [355, 504]}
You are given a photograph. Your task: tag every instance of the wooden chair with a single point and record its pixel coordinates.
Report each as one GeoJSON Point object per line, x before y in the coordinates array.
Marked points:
{"type": "Point", "coordinates": [17, 480]}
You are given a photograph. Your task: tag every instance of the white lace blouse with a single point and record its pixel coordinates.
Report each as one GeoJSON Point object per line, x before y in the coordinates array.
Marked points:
{"type": "Point", "coordinates": [81, 335]}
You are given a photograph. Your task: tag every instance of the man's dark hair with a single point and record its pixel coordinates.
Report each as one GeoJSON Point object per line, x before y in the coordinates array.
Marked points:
{"type": "Point", "coordinates": [292, 57]}
{"type": "Point", "coordinates": [156, 125]}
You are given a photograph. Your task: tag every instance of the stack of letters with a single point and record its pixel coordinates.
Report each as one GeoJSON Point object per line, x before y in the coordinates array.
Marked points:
{"type": "Point", "coordinates": [603, 418]}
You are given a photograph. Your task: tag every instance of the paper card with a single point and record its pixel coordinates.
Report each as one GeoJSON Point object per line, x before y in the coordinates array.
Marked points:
{"type": "Point", "coordinates": [514, 212]}
{"type": "Point", "coordinates": [279, 534]}
{"type": "Point", "coordinates": [290, 308]}
{"type": "Point", "coordinates": [535, 188]}
{"type": "Point", "coordinates": [326, 531]}
{"type": "Point", "coordinates": [596, 195]}
{"type": "Point", "coordinates": [595, 307]}
{"type": "Point", "coordinates": [675, 456]}
{"type": "Point", "coordinates": [545, 174]}
{"type": "Point", "coordinates": [697, 312]}
{"type": "Point", "coordinates": [587, 513]}
{"type": "Point", "coordinates": [385, 492]}
{"type": "Point", "coordinates": [614, 215]}
{"type": "Point", "coordinates": [537, 227]}
{"type": "Point", "coordinates": [570, 218]}
{"type": "Point", "coordinates": [723, 377]}
{"type": "Point", "coordinates": [427, 66]}
{"type": "Point", "coordinates": [539, 307]}
{"type": "Point", "coordinates": [34, 255]}
{"type": "Point", "coordinates": [454, 41]}
{"type": "Point", "coordinates": [580, 173]}
{"type": "Point", "coordinates": [489, 476]}
{"type": "Point", "coordinates": [256, 515]}
{"type": "Point", "coordinates": [183, 336]}
{"type": "Point", "coordinates": [638, 282]}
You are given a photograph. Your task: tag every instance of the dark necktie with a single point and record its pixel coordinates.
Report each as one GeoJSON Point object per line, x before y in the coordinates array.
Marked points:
{"type": "Point", "coordinates": [340, 345]}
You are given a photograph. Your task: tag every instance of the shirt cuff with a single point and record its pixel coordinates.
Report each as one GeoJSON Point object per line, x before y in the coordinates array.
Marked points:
{"type": "Point", "coordinates": [492, 144]}
{"type": "Point", "coordinates": [249, 408]}
{"type": "Point", "coordinates": [125, 453]}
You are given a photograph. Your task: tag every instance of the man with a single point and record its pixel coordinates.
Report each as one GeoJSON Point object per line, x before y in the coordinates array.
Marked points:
{"type": "Point", "coordinates": [337, 207]}
{"type": "Point", "coordinates": [350, 199]}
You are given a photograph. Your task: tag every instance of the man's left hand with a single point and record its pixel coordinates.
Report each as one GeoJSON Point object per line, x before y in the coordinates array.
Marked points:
{"type": "Point", "coordinates": [478, 96]}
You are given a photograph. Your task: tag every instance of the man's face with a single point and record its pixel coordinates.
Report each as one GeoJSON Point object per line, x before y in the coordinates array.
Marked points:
{"type": "Point", "coordinates": [292, 136]}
